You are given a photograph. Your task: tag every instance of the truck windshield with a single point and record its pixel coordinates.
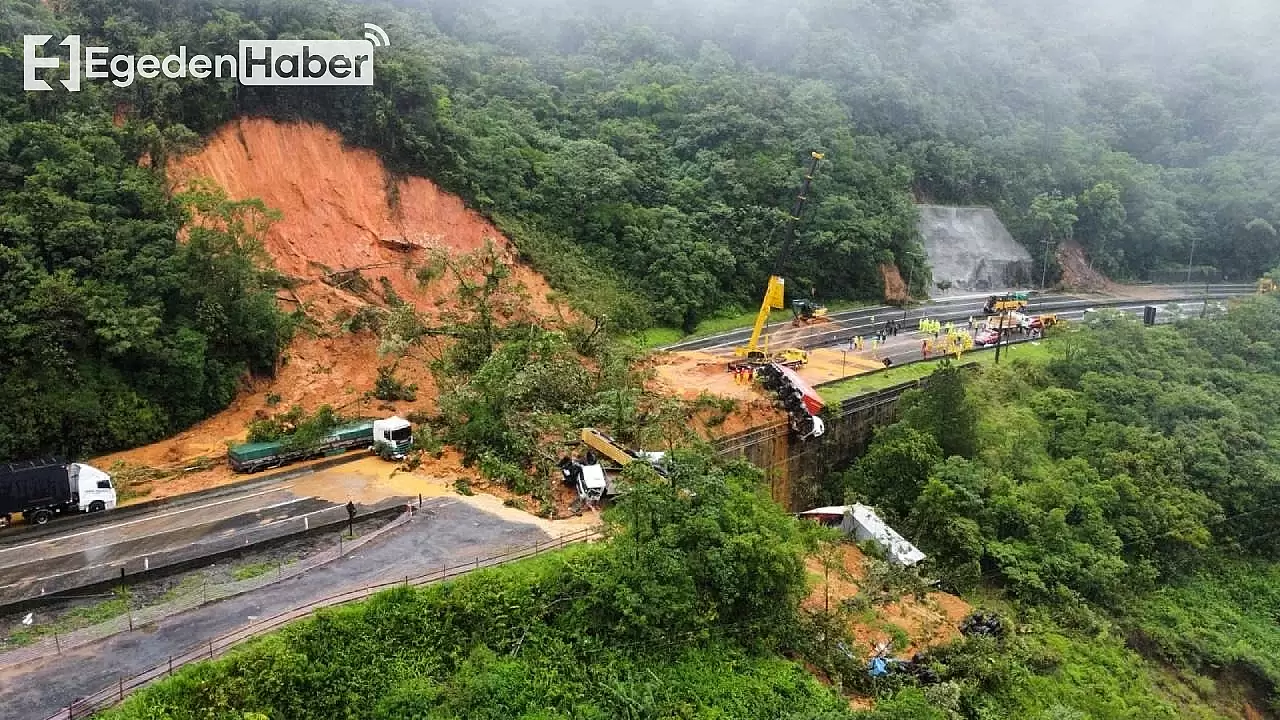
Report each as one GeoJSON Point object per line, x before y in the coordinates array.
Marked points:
{"type": "Point", "coordinates": [401, 434]}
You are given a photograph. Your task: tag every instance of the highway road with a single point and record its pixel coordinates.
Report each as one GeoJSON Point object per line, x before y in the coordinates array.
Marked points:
{"type": "Point", "coordinates": [35, 561]}
{"type": "Point", "coordinates": [905, 348]}
{"type": "Point", "coordinates": [50, 562]}
{"type": "Point", "coordinates": [845, 325]}
{"type": "Point", "coordinates": [449, 532]}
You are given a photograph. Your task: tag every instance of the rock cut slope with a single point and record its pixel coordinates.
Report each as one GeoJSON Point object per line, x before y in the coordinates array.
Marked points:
{"type": "Point", "coordinates": [971, 249]}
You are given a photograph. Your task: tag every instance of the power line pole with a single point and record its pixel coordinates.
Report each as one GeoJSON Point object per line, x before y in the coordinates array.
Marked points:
{"type": "Point", "coordinates": [1044, 269]}
{"type": "Point", "coordinates": [911, 271]}
{"type": "Point", "coordinates": [1000, 336]}
{"type": "Point", "coordinates": [1191, 257]}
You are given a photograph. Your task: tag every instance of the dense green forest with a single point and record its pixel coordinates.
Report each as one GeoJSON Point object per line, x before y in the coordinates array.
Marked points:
{"type": "Point", "coordinates": [1128, 489]}
{"type": "Point", "coordinates": [663, 142]}
{"type": "Point", "coordinates": [1115, 503]}
{"type": "Point", "coordinates": [113, 333]}
{"type": "Point", "coordinates": [642, 156]}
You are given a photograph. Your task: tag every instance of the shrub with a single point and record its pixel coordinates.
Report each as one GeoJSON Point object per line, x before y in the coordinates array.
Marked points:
{"type": "Point", "coordinates": [389, 388]}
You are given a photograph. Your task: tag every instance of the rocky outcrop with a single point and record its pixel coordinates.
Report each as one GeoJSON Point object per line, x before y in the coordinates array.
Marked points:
{"type": "Point", "coordinates": [970, 251]}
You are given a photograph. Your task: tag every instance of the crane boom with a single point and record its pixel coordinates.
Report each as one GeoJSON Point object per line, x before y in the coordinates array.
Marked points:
{"type": "Point", "coordinates": [775, 291]}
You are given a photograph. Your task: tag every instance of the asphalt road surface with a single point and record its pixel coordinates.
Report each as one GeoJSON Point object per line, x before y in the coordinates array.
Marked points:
{"type": "Point", "coordinates": [447, 532]}
{"type": "Point", "coordinates": [905, 347]}
{"type": "Point", "coordinates": [53, 563]}
{"type": "Point", "coordinates": [865, 321]}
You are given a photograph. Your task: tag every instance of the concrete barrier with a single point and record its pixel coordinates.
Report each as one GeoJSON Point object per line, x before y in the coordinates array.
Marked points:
{"type": "Point", "coordinates": [26, 533]}
{"type": "Point", "coordinates": [36, 592]}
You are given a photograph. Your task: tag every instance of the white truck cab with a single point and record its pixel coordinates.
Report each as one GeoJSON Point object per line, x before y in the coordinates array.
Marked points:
{"type": "Point", "coordinates": [92, 488]}
{"type": "Point", "coordinates": [592, 485]}
{"type": "Point", "coordinates": [396, 432]}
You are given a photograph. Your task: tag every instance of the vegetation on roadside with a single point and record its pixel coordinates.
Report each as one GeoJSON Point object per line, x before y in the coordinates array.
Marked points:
{"type": "Point", "coordinates": [113, 605]}
{"type": "Point", "coordinates": [1125, 489]}
{"type": "Point", "coordinates": [295, 428]}
{"type": "Point", "coordinates": [655, 337]}
{"type": "Point", "coordinates": [257, 569]}
{"type": "Point", "coordinates": [680, 613]}
{"type": "Point", "coordinates": [1028, 352]}
{"type": "Point", "coordinates": [516, 389]}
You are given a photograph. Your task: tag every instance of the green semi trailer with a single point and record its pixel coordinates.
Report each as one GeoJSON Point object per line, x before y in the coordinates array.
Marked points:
{"type": "Point", "coordinates": [394, 432]}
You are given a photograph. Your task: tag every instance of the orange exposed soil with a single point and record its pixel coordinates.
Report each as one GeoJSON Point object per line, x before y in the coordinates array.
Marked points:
{"type": "Point", "coordinates": [895, 290]}
{"type": "Point", "coordinates": [340, 211]}
{"type": "Point", "coordinates": [933, 621]}
{"type": "Point", "coordinates": [1076, 272]}
{"type": "Point", "coordinates": [689, 374]}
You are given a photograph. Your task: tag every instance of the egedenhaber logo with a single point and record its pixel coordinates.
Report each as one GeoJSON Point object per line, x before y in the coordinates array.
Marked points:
{"type": "Point", "coordinates": [259, 62]}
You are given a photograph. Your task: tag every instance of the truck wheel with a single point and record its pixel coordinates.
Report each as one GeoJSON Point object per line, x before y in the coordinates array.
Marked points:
{"type": "Point", "coordinates": [41, 517]}
{"type": "Point", "coordinates": [97, 506]}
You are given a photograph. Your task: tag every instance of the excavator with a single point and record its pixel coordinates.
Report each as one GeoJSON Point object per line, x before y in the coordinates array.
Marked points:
{"type": "Point", "coordinates": [753, 354]}
{"type": "Point", "coordinates": [807, 312]}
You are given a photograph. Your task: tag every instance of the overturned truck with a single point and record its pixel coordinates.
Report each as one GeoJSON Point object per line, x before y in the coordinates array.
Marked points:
{"type": "Point", "coordinates": [802, 403]}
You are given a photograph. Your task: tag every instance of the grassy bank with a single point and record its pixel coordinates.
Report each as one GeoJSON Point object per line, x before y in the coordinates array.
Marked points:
{"type": "Point", "coordinates": [1030, 352]}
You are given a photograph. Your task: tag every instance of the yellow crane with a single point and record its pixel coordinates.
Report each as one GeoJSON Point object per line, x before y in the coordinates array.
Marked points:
{"type": "Point", "coordinates": [753, 352]}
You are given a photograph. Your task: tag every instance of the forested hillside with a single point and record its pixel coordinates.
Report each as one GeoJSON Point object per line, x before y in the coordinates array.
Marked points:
{"type": "Point", "coordinates": [1138, 127]}
{"type": "Point", "coordinates": [642, 156]}
{"type": "Point", "coordinates": [664, 141]}
{"type": "Point", "coordinates": [1127, 489]}
{"type": "Point", "coordinates": [1115, 503]}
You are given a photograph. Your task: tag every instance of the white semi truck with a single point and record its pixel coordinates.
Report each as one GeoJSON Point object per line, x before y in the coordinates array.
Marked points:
{"type": "Point", "coordinates": [41, 489]}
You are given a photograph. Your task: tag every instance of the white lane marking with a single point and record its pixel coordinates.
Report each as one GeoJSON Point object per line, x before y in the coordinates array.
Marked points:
{"type": "Point", "coordinates": [148, 518]}
{"type": "Point", "coordinates": [820, 340]}
{"type": "Point", "coordinates": [166, 530]}
{"type": "Point", "coordinates": [116, 563]}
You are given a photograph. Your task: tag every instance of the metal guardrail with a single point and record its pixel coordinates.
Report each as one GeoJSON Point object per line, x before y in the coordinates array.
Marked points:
{"type": "Point", "coordinates": [149, 562]}
{"type": "Point", "coordinates": [57, 644]}
{"type": "Point", "coordinates": [113, 695]}
{"type": "Point", "coordinates": [63, 525]}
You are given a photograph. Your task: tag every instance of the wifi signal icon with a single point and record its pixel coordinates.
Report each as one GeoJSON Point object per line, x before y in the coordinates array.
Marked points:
{"type": "Point", "coordinates": [376, 35]}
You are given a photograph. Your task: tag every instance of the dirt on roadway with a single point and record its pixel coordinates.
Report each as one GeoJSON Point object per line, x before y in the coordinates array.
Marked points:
{"type": "Point", "coordinates": [340, 211]}
{"type": "Point", "coordinates": [449, 532]}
